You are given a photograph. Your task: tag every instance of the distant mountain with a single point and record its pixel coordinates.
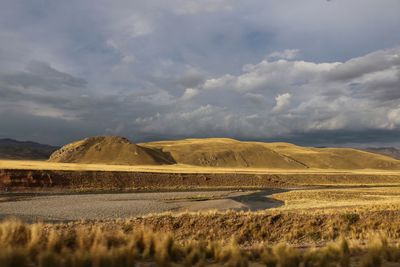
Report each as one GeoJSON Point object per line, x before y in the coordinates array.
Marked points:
{"type": "Point", "coordinates": [387, 151]}
{"type": "Point", "coordinates": [13, 149]}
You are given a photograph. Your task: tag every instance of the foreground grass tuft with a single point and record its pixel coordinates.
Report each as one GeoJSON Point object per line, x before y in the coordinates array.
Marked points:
{"type": "Point", "coordinates": [91, 245]}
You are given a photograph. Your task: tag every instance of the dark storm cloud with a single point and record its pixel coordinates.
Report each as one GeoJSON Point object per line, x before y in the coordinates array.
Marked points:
{"type": "Point", "coordinates": [39, 76]}
{"type": "Point", "coordinates": [39, 83]}
{"type": "Point", "coordinates": [316, 70]}
{"type": "Point", "coordinates": [57, 78]}
{"type": "Point", "coordinates": [357, 67]}
{"type": "Point", "coordinates": [341, 137]}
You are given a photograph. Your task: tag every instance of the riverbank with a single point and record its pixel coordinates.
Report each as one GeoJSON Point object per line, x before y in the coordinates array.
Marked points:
{"type": "Point", "coordinates": [69, 207]}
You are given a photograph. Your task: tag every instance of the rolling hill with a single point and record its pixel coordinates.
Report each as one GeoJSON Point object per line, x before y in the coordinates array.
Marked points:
{"type": "Point", "coordinates": [219, 152]}
{"type": "Point", "coordinates": [109, 150]}
{"type": "Point", "coordinates": [223, 152]}
{"type": "Point", "coordinates": [13, 149]}
{"type": "Point", "coordinates": [335, 158]}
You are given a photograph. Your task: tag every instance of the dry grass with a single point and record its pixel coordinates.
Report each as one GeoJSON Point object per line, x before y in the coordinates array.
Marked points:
{"type": "Point", "coordinates": [375, 198]}
{"type": "Point", "coordinates": [176, 168]}
{"type": "Point", "coordinates": [90, 245]}
{"type": "Point", "coordinates": [299, 228]}
{"type": "Point", "coordinates": [109, 150]}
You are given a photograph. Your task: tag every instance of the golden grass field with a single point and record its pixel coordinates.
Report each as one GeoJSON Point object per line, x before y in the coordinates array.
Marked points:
{"type": "Point", "coordinates": [374, 197]}
{"type": "Point", "coordinates": [176, 168]}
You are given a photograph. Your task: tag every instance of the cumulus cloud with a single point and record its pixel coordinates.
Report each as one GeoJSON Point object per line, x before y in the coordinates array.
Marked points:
{"type": "Point", "coordinates": [40, 76]}
{"type": "Point", "coordinates": [46, 93]}
{"type": "Point", "coordinates": [191, 77]}
{"type": "Point", "coordinates": [199, 121]}
{"type": "Point", "coordinates": [255, 98]}
{"type": "Point", "coordinates": [306, 99]}
{"type": "Point", "coordinates": [39, 89]}
{"type": "Point", "coordinates": [282, 101]}
{"type": "Point", "coordinates": [375, 62]}
{"type": "Point", "coordinates": [316, 101]}
{"type": "Point", "coordinates": [189, 93]}
{"type": "Point", "coordinates": [271, 75]}
{"type": "Point", "coordinates": [286, 54]}
{"type": "Point", "coordinates": [394, 118]}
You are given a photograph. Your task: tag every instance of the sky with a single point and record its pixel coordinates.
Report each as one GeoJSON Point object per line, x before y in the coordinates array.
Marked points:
{"type": "Point", "coordinates": [312, 72]}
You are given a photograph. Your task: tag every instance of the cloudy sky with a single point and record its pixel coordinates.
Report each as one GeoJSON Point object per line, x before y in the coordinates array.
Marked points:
{"type": "Point", "coordinates": [312, 72]}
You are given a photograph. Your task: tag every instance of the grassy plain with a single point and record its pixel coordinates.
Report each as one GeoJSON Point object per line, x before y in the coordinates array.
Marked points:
{"type": "Point", "coordinates": [176, 168]}
{"type": "Point", "coordinates": [372, 198]}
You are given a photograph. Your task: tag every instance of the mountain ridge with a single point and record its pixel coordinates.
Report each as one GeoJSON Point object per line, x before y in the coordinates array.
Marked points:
{"type": "Point", "coordinates": [14, 149]}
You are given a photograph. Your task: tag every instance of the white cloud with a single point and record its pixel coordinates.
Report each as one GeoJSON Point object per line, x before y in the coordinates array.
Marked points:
{"type": "Point", "coordinates": [323, 100]}
{"type": "Point", "coordinates": [201, 120]}
{"type": "Point", "coordinates": [394, 118]}
{"type": "Point", "coordinates": [282, 102]}
{"type": "Point", "coordinates": [157, 97]}
{"type": "Point", "coordinates": [136, 26]}
{"type": "Point", "coordinates": [128, 59]}
{"type": "Point", "coordinates": [255, 98]}
{"type": "Point", "coordinates": [381, 60]}
{"type": "Point", "coordinates": [271, 75]}
{"type": "Point", "coordinates": [285, 54]}
{"type": "Point", "coordinates": [189, 94]}
{"type": "Point", "coordinates": [219, 83]}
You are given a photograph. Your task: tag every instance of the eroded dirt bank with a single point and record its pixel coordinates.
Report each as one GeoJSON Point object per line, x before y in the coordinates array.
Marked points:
{"type": "Point", "coordinates": [11, 180]}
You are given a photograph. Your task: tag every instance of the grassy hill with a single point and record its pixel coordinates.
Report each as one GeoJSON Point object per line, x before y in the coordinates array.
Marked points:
{"type": "Point", "coordinates": [219, 152]}
{"type": "Point", "coordinates": [334, 158]}
{"type": "Point", "coordinates": [109, 150]}
{"type": "Point", "coordinates": [224, 152]}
